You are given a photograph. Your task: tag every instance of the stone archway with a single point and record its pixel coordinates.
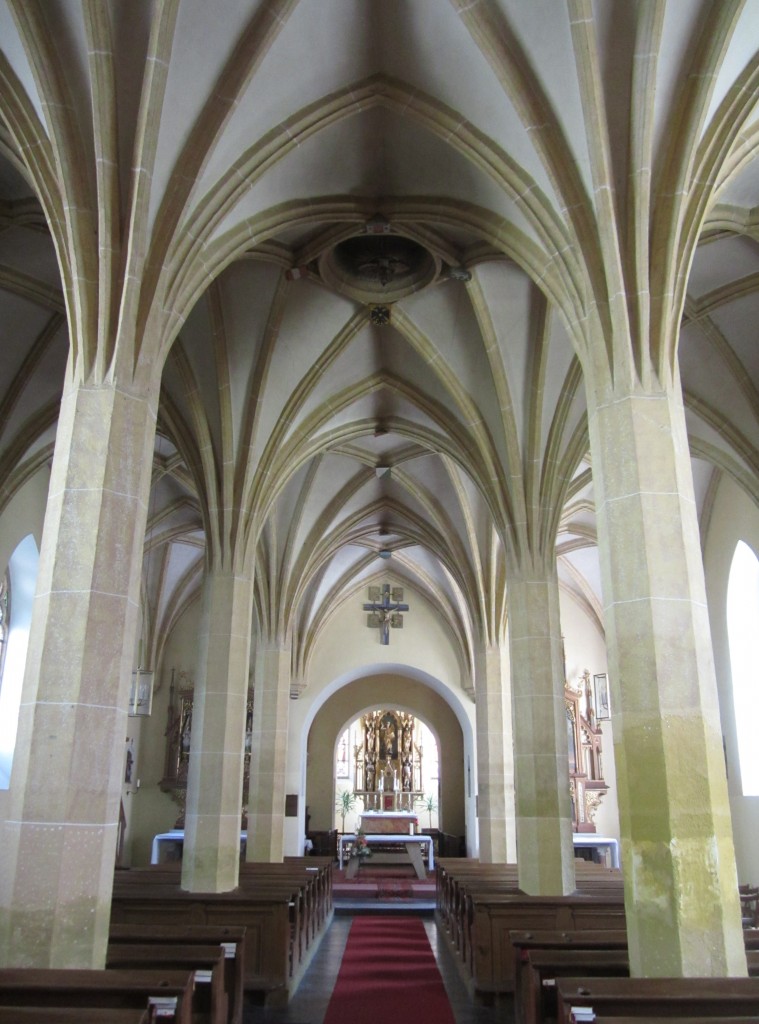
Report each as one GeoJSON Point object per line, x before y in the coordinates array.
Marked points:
{"type": "Point", "coordinates": [396, 691]}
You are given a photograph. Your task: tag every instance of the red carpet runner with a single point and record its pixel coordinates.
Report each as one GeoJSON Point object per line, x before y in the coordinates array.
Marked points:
{"type": "Point", "coordinates": [388, 976]}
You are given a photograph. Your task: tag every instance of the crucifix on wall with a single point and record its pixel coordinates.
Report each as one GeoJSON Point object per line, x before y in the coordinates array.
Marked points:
{"type": "Point", "coordinates": [385, 607]}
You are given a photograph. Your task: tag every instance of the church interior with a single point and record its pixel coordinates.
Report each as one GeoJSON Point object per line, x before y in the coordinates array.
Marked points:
{"type": "Point", "coordinates": [379, 432]}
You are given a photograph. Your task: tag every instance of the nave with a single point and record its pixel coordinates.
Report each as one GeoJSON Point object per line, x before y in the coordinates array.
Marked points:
{"type": "Point", "coordinates": [310, 1001]}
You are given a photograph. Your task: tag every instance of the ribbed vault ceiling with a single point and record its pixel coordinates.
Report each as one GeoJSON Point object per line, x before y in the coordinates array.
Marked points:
{"type": "Point", "coordinates": [548, 156]}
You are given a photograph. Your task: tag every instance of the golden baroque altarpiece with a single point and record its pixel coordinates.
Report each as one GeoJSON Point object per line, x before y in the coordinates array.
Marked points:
{"type": "Point", "coordinates": [584, 740]}
{"type": "Point", "coordinates": [179, 738]}
{"type": "Point", "coordinates": [388, 762]}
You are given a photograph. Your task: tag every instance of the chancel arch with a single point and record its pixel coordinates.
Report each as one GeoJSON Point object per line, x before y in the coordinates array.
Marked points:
{"type": "Point", "coordinates": [395, 692]}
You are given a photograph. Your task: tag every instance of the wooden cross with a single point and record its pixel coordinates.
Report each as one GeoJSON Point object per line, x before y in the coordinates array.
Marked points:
{"type": "Point", "coordinates": [385, 613]}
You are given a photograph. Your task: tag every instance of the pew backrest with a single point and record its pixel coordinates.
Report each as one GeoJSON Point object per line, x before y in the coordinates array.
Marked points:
{"type": "Point", "coordinates": [231, 940]}
{"type": "Point", "coordinates": [106, 989]}
{"type": "Point", "coordinates": [651, 997]}
{"type": "Point", "coordinates": [70, 1015]}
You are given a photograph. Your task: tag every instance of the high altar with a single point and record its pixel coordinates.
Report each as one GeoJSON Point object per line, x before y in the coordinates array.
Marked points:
{"type": "Point", "coordinates": [388, 762]}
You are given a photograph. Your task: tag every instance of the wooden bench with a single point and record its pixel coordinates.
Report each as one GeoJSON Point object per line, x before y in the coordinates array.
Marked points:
{"type": "Point", "coordinates": [479, 921]}
{"type": "Point", "coordinates": [460, 883]}
{"type": "Point", "coordinates": [98, 989]}
{"type": "Point", "coordinates": [663, 997]}
{"type": "Point", "coordinates": [541, 961]}
{"type": "Point", "coordinates": [526, 943]}
{"type": "Point", "coordinates": [488, 962]}
{"type": "Point", "coordinates": [276, 951]}
{"type": "Point", "coordinates": [538, 976]}
{"type": "Point", "coordinates": [743, 1019]}
{"type": "Point", "coordinates": [308, 879]}
{"type": "Point", "coordinates": [70, 1015]}
{"type": "Point", "coordinates": [231, 940]}
{"type": "Point", "coordinates": [205, 962]}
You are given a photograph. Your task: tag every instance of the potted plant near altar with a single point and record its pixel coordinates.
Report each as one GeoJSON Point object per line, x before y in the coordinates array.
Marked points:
{"type": "Point", "coordinates": [359, 851]}
{"type": "Point", "coordinates": [345, 802]}
{"type": "Point", "coordinates": [429, 805]}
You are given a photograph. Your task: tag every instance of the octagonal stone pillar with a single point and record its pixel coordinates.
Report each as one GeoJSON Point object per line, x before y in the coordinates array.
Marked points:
{"type": "Point", "coordinates": [211, 860]}
{"type": "Point", "coordinates": [268, 763]}
{"type": "Point", "coordinates": [545, 853]}
{"type": "Point", "coordinates": [59, 841]}
{"type": "Point", "coordinates": [495, 757]}
{"type": "Point", "coordinates": [681, 888]}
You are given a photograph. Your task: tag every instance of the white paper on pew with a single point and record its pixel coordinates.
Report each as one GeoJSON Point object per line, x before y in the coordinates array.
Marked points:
{"type": "Point", "coordinates": [230, 950]}
{"type": "Point", "coordinates": [164, 1006]}
{"type": "Point", "coordinates": [581, 1013]}
{"type": "Point", "coordinates": [203, 977]}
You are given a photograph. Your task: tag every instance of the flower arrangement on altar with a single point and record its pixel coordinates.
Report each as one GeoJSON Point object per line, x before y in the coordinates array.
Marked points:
{"type": "Point", "coordinates": [360, 847]}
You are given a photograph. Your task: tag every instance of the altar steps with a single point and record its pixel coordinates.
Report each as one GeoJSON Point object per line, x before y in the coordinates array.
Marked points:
{"type": "Point", "coordinates": [383, 887]}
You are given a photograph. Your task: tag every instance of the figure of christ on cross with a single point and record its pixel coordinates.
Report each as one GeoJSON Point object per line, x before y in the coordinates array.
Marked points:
{"type": "Point", "coordinates": [385, 610]}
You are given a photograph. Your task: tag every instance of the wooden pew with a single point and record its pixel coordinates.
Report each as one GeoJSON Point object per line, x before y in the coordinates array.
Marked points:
{"type": "Point", "coordinates": [309, 879]}
{"type": "Point", "coordinates": [99, 989]}
{"type": "Point", "coordinates": [743, 1019]}
{"type": "Point", "coordinates": [311, 889]}
{"type": "Point", "coordinates": [541, 961]}
{"type": "Point", "coordinates": [205, 962]}
{"type": "Point", "coordinates": [460, 883]}
{"type": "Point", "coordinates": [664, 997]}
{"type": "Point", "coordinates": [275, 958]}
{"type": "Point", "coordinates": [463, 884]}
{"type": "Point", "coordinates": [70, 1015]}
{"type": "Point", "coordinates": [584, 947]}
{"type": "Point", "coordinates": [538, 976]}
{"type": "Point", "coordinates": [231, 940]}
{"type": "Point", "coordinates": [525, 943]}
{"type": "Point", "coordinates": [488, 967]}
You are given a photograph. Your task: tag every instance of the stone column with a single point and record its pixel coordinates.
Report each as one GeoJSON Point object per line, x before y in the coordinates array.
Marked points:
{"type": "Point", "coordinates": [683, 914]}
{"type": "Point", "coordinates": [211, 859]}
{"type": "Point", "coordinates": [268, 763]}
{"type": "Point", "coordinates": [495, 758]}
{"type": "Point", "coordinates": [545, 853]}
{"type": "Point", "coordinates": [59, 841]}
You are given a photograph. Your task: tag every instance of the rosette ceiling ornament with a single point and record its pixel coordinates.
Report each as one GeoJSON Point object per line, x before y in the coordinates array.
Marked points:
{"type": "Point", "coordinates": [378, 267]}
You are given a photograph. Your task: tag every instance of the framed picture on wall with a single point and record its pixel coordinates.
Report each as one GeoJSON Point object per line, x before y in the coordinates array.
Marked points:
{"type": "Point", "coordinates": [601, 694]}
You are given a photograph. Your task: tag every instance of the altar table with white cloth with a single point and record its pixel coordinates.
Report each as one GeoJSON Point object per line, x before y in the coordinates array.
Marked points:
{"type": "Point", "coordinates": [600, 843]}
{"type": "Point", "coordinates": [167, 842]}
{"type": "Point", "coordinates": [388, 839]}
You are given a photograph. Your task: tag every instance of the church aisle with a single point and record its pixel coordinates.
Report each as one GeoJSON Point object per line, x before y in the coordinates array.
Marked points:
{"type": "Point", "coordinates": [309, 1004]}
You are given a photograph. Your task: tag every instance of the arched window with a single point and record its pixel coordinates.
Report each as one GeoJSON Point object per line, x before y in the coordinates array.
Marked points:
{"type": "Point", "coordinates": [743, 637]}
{"type": "Point", "coordinates": [22, 579]}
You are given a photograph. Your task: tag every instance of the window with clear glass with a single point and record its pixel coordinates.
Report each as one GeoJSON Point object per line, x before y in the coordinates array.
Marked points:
{"type": "Point", "coordinates": [743, 637]}
{"type": "Point", "coordinates": [18, 594]}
